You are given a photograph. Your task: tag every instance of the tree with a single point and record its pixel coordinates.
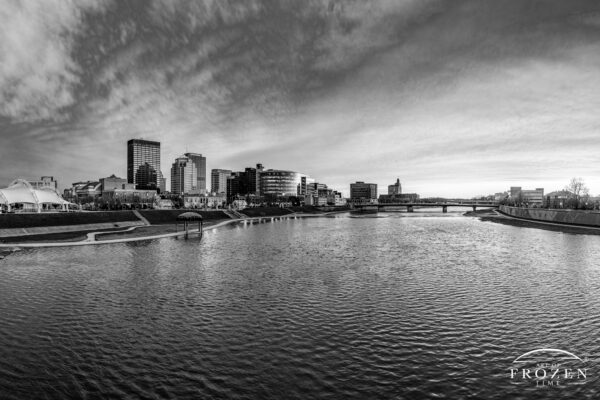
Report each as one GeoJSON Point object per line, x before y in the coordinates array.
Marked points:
{"type": "Point", "coordinates": [577, 187]}
{"type": "Point", "coordinates": [580, 191]}
{"type": "Point", "coordinates": [520, 199]}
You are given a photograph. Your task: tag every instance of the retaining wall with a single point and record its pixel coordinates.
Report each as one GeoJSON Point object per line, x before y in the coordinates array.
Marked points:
{"type": "Point", "coordinates": [567, 217]}
{"type": "Point", "coordinates": [30, 220]}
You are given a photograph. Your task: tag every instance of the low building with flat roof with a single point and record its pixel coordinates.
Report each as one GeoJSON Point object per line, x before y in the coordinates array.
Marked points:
{"type": "Point", "coordinates": [529, 196]}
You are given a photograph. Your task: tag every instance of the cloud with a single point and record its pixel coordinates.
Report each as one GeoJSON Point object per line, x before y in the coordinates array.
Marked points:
{"type": "Point", "coordinates": [38, 75]}
{"type": "Point", "coordinates": [341, 90]}
{"type": "Point", "coordinates": [232, 61]}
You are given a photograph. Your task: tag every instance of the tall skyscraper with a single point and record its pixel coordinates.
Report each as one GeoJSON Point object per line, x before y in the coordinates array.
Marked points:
{"type": "Point", "coordinates": [183, 176]}
{"type": "Point", "coordinates": [236, 186]}
{"type": "Point", "coordinates": [253, 179]}
{"type": "Point", "coordinates": [143, 163]}
{"type": "Point", "coordinates": [200, 165]}
{"type": "Point", "coordinates": [218, 178]}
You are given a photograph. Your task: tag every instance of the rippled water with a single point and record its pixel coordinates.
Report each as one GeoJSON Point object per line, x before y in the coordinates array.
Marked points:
{"type": "Point", "coordinates": [401, 307]}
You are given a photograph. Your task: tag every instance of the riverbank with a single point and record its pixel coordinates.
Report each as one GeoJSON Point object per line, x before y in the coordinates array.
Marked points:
{"type": "Point", "coordinates": [155, 224]}
{"type": "Point", "coordinates": [585, 218]}
{"type": "Point", "coordinates": [73, 227]}
{"type": "Point", "coordinates": [500, 218]}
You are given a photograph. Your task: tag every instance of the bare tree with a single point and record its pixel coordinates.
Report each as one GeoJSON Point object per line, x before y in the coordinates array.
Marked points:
{"type": "Point", "coordinates": [577, 187]}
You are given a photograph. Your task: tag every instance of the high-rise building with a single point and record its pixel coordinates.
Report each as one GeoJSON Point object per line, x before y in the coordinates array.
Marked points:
{"type": "Point", "coordinates": [253, 179]}
{"type": "Point", "coordinates": [364, 191]}
{"type": "Point", "coordinates": [161, 182]}
{"type": "Point", "coordinates": [200, 165]}
{"type": "Point", "coordinates": [304, 185]}
{"type": "Point", "coordinates": [183, 176]}
{"type": "Point", "coordinates": [236, 186]}
{"type": "Point", "coordinates": [218, 179]}
{"type": "Point", "coordinates": [278, 182]}
{"type": "Point", "coordinates": [395, 189]}
{"type": "Point", "coordinates": [143, 163]}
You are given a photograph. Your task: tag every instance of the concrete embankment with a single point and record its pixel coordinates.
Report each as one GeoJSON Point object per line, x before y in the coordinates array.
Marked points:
{"type": "Point", "coordinates": [158, 230]}
{"type": "Point", "coordinates": [45, 225]}
{"type": "Point", "coordinates": [581, 218]}
{"type": "Point", "coordinates": [72, 227]}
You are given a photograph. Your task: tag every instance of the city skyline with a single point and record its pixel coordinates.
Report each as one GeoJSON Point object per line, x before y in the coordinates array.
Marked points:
{"type": "Point", "coordinates": [458, 99]}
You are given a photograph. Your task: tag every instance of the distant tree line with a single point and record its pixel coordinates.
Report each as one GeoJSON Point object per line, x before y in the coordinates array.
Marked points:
{"type": "Point", "coordinates": [575, 196]}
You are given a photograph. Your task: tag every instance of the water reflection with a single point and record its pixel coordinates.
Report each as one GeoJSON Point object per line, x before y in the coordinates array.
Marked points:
{"type": "Point", "coordinates": [405, 306]}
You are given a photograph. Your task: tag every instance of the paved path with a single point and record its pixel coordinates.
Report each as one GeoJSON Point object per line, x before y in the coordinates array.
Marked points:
{"type": "Point", "coordinates": [40, 230]}
{"type": "Point", "coordinates": [141, 217]}
{"type": "Point", "coordinates": [91, 237]}
{"type": "Point", "coordinates": [87, 242]}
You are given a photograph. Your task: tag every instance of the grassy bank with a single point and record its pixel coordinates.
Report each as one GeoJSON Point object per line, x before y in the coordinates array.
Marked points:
{"type": "Point", "coordinates": [55, 237]}
{"type": "Point", "coordinates": [11, 221]}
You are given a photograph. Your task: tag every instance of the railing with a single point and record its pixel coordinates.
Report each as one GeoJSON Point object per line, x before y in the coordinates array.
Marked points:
{"type": "Point", "coordinates": [431, 204]}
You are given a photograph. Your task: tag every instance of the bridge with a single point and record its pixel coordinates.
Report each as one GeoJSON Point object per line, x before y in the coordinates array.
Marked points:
{"type": "Point", "coordinates": [421, 204]}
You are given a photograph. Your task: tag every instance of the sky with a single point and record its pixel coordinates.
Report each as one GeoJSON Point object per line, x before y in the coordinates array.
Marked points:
{"type": "Point", "coordinates": [455, 98]}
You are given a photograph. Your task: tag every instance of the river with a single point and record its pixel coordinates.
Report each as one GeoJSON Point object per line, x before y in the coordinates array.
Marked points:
{"type": "Point", "coordinates": [387, 306]}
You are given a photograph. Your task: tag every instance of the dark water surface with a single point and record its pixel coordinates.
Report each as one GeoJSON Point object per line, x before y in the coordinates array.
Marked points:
{"type": "Point", "coordinates": [401, 307]}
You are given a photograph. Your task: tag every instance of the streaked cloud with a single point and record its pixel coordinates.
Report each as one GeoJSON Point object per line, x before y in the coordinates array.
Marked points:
{"type": "Point", "coordinates": [38, 76]}
{"type": "Point", "coordinates": [456, 98]}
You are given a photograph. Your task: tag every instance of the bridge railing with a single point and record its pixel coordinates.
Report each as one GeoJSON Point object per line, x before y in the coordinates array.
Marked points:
{"type": "Point", "coordinates": [434, 204]}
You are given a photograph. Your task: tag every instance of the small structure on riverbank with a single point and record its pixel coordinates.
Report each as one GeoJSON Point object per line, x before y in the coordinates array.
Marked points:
{"type": "Point", "coordinates": [188, 217]}
{"type": "Point", "coordinates": [21, 196]}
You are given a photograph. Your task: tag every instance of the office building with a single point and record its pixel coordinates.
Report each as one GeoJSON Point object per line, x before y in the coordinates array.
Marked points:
{"type": "Point", "coordinates": [143, 164]}
{"type": "Point", "coordinates": [395, 189]}
{"type": "Point", "coordinates": [113, 182]}
{"type": "Point", "coordinates": [363, 191]}
{"type": "Point", "coordinates": [218, 178]}
{"type": "Point", "coordinates": [304, 185]}
{"type": "Point", "coordinates": [200, 165]}
{"type": "Point", "coordinates": [183, 176]}
{"type": "Point", "coordinates": [253, 179]}
{"type": "Point", "coordinates": [395, 195]}
{"type": "Point", "coordinates": [236, 186]}
{"type": "Point", "coordinates": [162, 182]}
{"type": "Point", "coordinates": [204, 201]}
{"type": "Point", "coordinates": [86, 191]}
{"type": "Point", "coordinates": [44, 182]}
{"type": "Point", "coordinates": [279, 183]}
{"type": "Point", "coordinates": [531, 196]}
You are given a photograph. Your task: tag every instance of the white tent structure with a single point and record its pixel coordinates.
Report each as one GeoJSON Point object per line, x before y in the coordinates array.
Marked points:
{"type": "Point", "coordinates": [21, 196]}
